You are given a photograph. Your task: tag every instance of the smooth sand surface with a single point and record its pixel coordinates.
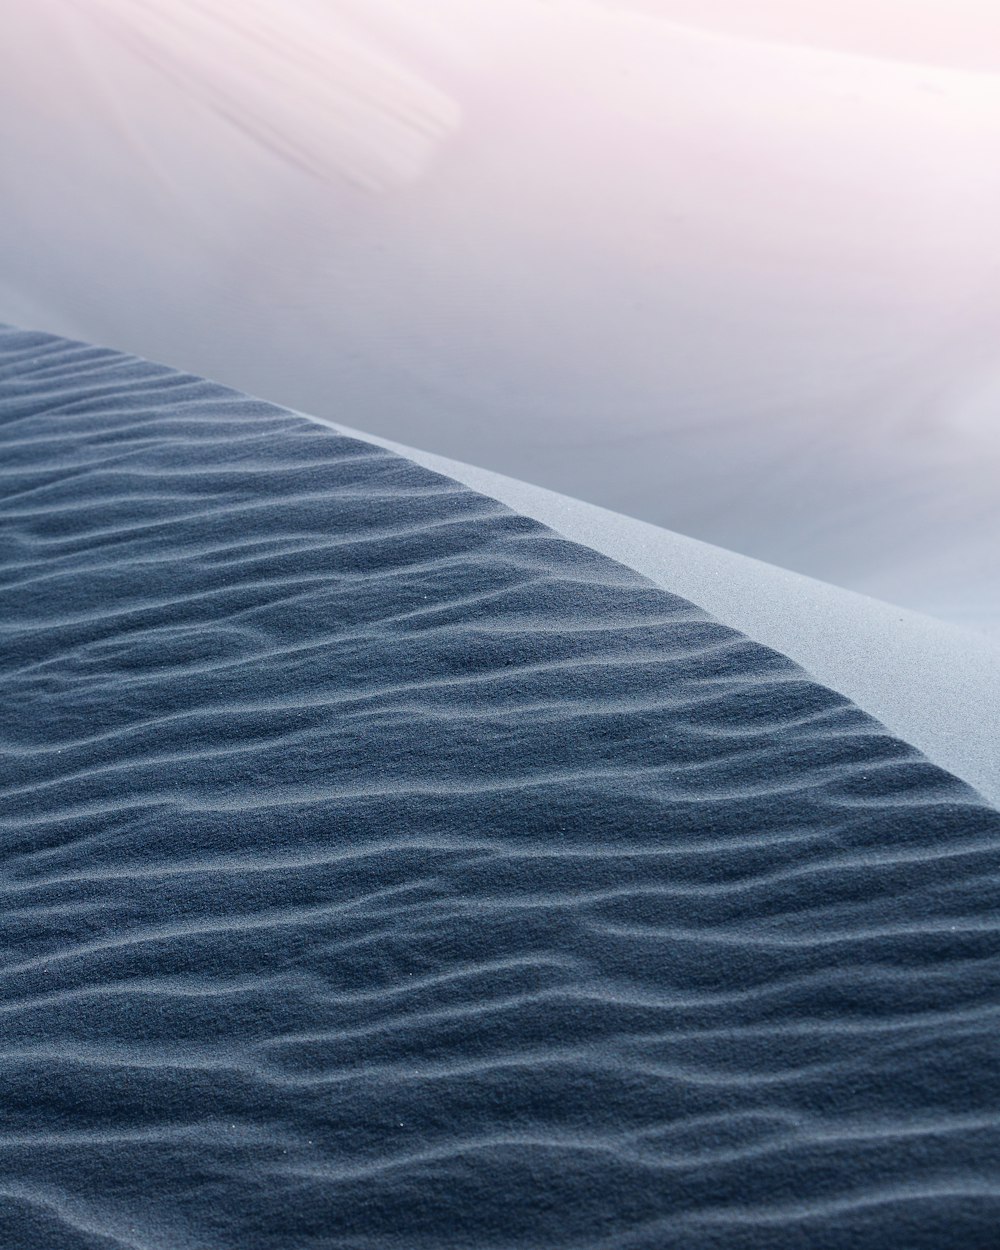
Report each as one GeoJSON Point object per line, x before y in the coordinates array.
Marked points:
{"type": "Point", "coordinates": [381, 869]}
{"type": "Point", "coordinates": [930, 682]}
{"type": "Point", "coordinates": [731, 268]}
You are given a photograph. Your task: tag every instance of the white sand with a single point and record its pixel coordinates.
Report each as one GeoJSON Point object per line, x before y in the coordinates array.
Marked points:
{"type": "Point", "coordinates": [740, 281]}
{"type": "Point", "coordinates": [933, 684]}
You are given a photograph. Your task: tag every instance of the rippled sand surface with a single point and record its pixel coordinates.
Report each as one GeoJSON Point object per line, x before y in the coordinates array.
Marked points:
{"type": "Point", "coordinates": [380, 869]}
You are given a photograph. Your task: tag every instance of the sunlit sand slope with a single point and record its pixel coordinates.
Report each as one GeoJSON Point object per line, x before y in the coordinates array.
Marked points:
{"type": "Point", "coordinates": [380, 869]}
{"type": "Point", "coordinates": [728, 267]}
{"type": "Point", "coordinates": [930, 682]}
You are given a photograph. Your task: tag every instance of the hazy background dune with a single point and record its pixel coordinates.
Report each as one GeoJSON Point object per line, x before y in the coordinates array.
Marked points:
{"type": "Point", "coordinates": [732, 268]}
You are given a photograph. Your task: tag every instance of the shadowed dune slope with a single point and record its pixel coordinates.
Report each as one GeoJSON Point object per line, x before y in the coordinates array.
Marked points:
{"type": "Point", "coordinates": [380, 869]}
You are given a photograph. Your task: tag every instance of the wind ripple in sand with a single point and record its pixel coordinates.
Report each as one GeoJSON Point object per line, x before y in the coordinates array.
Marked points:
{"type": "Point", "coordinates": [380, 869]}
{"type": "Point", "coordinates": [302, 82]}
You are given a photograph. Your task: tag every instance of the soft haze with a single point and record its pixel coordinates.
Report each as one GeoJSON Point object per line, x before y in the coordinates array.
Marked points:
{"type": "Point", "coordinates": [729, 267]}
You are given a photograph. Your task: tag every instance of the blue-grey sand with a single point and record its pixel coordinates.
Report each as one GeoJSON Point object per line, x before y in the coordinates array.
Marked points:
{"type": "Point", "coordinates": [381, 869]}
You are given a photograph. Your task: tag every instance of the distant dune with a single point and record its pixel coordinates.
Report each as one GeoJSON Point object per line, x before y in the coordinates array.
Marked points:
{"type": "Point", "coordinates": [729, 268]}
{"type": "Point", "coordinates": [962, 34]}
{"type": "Point", "coordinates": [308, 88]}
{"type": "Point", "coordinates": [382, 869]}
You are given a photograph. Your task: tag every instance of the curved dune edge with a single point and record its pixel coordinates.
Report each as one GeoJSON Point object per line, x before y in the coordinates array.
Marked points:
{"type": "Point", "coordinates": [934, 684]}
{"type": "Point", "coordinates": [382, 869]}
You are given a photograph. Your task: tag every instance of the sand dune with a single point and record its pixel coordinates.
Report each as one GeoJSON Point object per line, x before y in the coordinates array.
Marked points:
{"type": "Point", "coordinates": [300, 82]}
{"type": "Point", "coordinates": [963, 34]}
{"type": "Point", "coordinates": [740, 287]}
{"type": "Point", "coordinates": [932, 683]}
{"type": "Point", "coordinates": [382, 869]}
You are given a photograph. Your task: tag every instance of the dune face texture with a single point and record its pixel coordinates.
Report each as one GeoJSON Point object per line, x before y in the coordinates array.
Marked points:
{"type": "Point", "coordinates": [380, 869]}
{"type": "Point", "coordinates": [728, 266]}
